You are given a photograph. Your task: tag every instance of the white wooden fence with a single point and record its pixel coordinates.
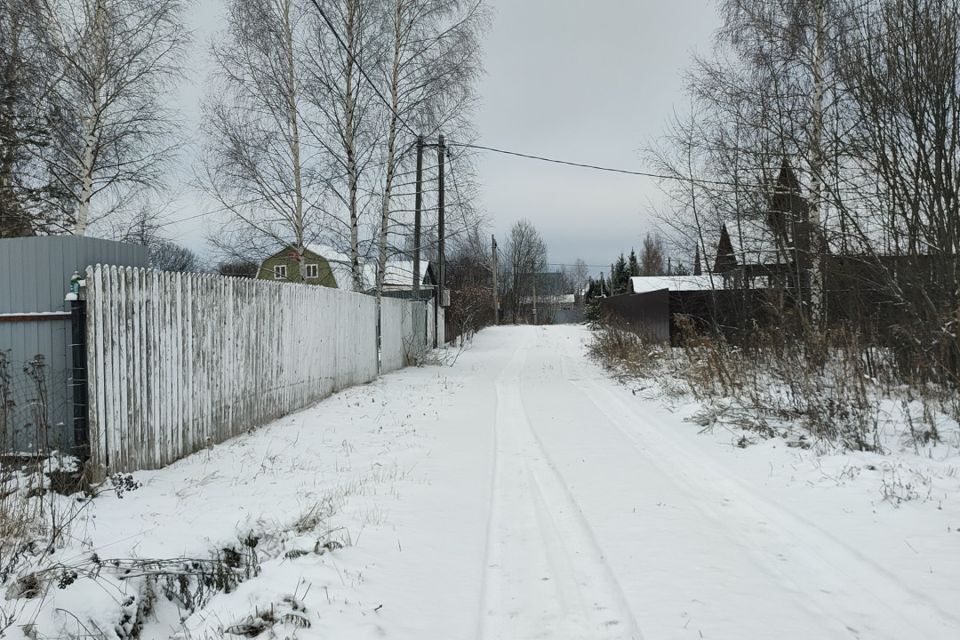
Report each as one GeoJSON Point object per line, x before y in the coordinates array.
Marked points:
{"type": "Point", "coordinates": [181, 361]}
{"type": "Point", "coordinates": [406, 332]}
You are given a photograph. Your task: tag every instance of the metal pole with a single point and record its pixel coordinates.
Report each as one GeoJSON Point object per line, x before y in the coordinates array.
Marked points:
{"type": "Point", "coordinates": [441, 153]}
{"type": "Point", "coordinates": [441, 211]}
{"type": "Point", "coordinates": [496, 290]}
{"type": "Point", "coordinates": [418, 207]}
{"type": "Point", "coordinates": [78, 354]}
{"type": "Point", "coordinates": [534, 298]}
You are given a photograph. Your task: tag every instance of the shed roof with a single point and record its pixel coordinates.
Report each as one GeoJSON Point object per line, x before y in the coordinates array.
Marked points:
{"type": "Point", "coordinates": [646, 284]}
{"type": "Point", "coordinates": [399, 272]}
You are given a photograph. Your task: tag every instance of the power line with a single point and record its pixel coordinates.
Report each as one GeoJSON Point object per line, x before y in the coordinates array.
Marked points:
{"type": "Point", "coordinates": [360, 68]}
{"type": "Point", "coordinates": [589, 266]}
{"type": "Point", "coordinates": [456, 188]}
{"type": "Point", "coordinates": [583, 165]}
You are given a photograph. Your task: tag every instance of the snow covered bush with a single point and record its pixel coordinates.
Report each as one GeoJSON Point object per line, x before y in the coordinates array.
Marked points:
{"type": "Point", "coordinates": [35, 520]}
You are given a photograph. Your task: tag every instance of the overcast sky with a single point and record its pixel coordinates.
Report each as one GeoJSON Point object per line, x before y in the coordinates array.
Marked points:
{"type": "Point", "coordinates": [585, 80]}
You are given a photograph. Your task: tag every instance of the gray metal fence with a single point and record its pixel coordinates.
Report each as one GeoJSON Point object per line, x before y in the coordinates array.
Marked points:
{"type": "Point", "coordinates": [36, 368]}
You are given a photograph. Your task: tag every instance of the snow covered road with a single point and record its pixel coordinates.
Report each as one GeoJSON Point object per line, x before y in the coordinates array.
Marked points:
{"type": "Point", "coordinates": [521, 493]}
{"type": "Point", "coordinates": [608, 523]}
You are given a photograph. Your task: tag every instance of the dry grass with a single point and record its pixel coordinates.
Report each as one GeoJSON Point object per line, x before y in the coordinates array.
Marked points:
{"type": "Point", "coordinates": [35, 519]}
{"type": "Point", "coordinates": [626, 354]}
{"type": "Point", "coordinates": [824, 390]}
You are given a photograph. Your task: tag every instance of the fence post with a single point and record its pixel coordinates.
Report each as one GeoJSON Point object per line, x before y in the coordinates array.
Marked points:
{"type": "Point", "coordinates": [78, 355]}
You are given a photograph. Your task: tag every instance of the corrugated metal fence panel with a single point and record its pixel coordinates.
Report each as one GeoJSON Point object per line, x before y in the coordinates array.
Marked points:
{"type": "Point", "coordinates": [647, 314]}
{"type": "Point", "coordinates": [181, 361]}
{"type": "Point", "coordinates": [441, 327]}
{"type": "Point", "coordinates": [393, 350]}
{"type": "Point", "coordinates": [430, 324]}
{"type": "Point", "coordinates": [36, 414]}
{"type": "Point", "coordinates": [419, 325]}
{"type": "Point", "coordinates": [435, 323]}
{"type": "Point", "coordinates": [35, 272]}
{"type": "Point", "coordinates": [34, 278]}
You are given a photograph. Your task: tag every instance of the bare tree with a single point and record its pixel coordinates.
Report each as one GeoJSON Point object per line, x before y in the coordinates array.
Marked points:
{"type": "Point", "coordinates": [257, 157]}
{"type": "Point", "coordinates": [902, 65]}
{"type": "Point", "coordinates": [345, 38]}
{"type": "Point", "coordinates": [469, 278]}
{"type": "Point", "coordinates": [29, 201]}
{"type": "Point", "coordinates": [431, 63]}
{"type": "Point", "coordinates": [237, 268]}
{"type": "Point", "coordinates": [579, 276]}
{"type": "Point", "coordinates": [652, 256]}
{"type": "Point", "coordinates": [114, 59]}
{"type": "Point", "coordinates": [827, 132]}
{"type": "Point", "coordinates": [169, 256]}
{"type": "Point", "coordinates": [767, 99]}
{"type": "Point", "coordinates": [526, 260]}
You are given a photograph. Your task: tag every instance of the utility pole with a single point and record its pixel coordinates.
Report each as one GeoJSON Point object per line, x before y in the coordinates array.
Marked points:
{"type": "Point", "coordinates": [418, 207]}
{"type": "Point", "coordinates": [441, 202]}
{"type": "Point", "coordinates": [814, 231]}
{"type": "Point", "coordinates": [534, 298]}
{"type": "Point", "coordinates": [496, 268]}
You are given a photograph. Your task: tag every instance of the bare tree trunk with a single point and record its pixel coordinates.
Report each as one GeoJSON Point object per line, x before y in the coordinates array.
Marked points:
{"type": "Point", "coordinates": [298, 225]}
{"type": "Point", "coordinates": [88, 157]}
{"type": "Point", "coordinates": [350, 142]}
{"type": "Point", "coordinates": [814, 229]}
{"type": "Point", "coordinates": [11, 217]}
{"type": "Point", "coordinates": [86, 169]}
{"type": "Point", "coordinates": [391, 148]}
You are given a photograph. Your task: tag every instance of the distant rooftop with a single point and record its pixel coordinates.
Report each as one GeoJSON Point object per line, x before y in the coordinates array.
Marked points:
{"type": "Point", "coordinates": [646, 284]}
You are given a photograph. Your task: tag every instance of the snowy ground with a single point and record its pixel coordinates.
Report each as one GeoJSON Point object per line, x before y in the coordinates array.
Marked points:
{"type": "Point", "coordinates": [523, 494]}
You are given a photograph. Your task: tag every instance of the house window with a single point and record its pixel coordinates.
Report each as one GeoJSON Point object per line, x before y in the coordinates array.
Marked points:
{"type": "Point", "coordinates": [311, 271]}
{"type": "Point", "coordinates": [280, 272]}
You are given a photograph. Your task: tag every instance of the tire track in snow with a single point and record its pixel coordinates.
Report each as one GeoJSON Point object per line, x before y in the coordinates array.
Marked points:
{"type": "Point", "coordinates": [810, 546]}
{"type": "Point", "coordinates": [544, 574]}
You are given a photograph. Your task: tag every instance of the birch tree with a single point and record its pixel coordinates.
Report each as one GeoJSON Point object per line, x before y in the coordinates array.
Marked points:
{"type": "Point", "coordinates": [767, 98]}
{"type": "Point", "coordinates": [347, 127]}
{"type": "Point", "coordinates": [115, 60]}
{"type": "Point", "coordinates": [27, 198]}
{"type": "Point", "coordinates": [257, 159]}
{"type": "Point", "coordinates": [431, 64]}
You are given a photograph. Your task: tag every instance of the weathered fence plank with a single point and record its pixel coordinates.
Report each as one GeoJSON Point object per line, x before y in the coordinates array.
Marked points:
{"type": "Point", "coordinates": [181, 361]}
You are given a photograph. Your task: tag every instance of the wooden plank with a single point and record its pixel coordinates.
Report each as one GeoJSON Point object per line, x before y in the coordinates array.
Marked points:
{"type": "Point", "coordinates": [135, 368]}
{"type": "Point", "coordinates": [115, 310]}
{"type": "Point", "coordinates": [181, 377]}
{"type": "Point", "coordinates": [142, 367]}
{"type": "Point", "coordinates": [94, 375]}
{"type": "Point", "coordinates": [123, 362]}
